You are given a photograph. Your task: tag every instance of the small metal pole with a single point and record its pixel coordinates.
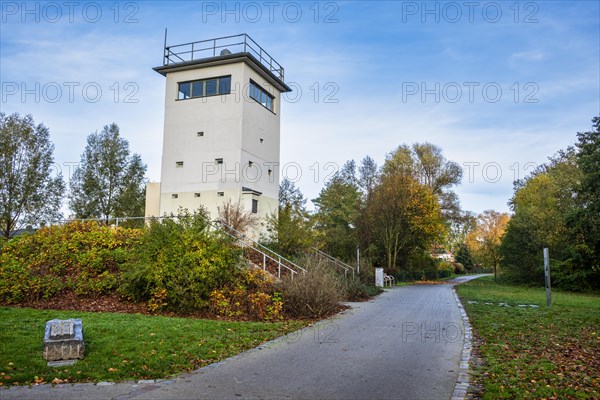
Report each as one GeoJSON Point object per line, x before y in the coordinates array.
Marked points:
{"type": "Point", "coordinates": [547, 276]}
{"type": "Point", "coordinates": [279, 268]}
{"type": "Point", "coordinates": [166, 55]}
{"type": "Point", "coordinates": [264, 261]}
{"type": "Point", "coordinates": [357, 260]}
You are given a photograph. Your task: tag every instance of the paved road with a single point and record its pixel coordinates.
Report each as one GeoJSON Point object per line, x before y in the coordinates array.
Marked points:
{"type": "Point", "coordinates": [404, 344]}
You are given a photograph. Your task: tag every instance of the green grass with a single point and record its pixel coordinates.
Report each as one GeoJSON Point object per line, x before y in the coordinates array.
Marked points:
{"type": "Point", "coordinates": [535, 352]}
{"type": "Point", "coordinates": [124, 346]}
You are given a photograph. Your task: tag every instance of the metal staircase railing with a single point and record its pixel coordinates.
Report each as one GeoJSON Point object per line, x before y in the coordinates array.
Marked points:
{"type": "Point", "coordinates": [337, 263]}
{"type": "Point", "coordinates": [260, 254]}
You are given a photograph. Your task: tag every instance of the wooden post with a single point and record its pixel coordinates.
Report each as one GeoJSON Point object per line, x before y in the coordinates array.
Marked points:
{"type": "Point", "coordinates": [547, 276]}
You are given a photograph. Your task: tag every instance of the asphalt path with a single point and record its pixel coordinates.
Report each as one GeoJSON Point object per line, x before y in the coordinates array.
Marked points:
{"type": "Point", "coordinates": [404, 344]}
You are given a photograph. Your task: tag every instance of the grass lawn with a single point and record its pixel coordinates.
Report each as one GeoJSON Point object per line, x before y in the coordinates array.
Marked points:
{"type": "Point", "coordinates": [124, 346]}
{"type": "Point", "coordinates": [535, 352]}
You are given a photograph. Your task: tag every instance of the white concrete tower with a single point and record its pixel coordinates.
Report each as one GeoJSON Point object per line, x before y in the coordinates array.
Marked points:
{"type": "Point", "coordinates": [222, 127]}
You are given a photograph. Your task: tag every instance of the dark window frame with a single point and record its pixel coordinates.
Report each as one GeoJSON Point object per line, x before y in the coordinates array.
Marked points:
{"type": "Point", "coordinates": [221, 89]}
{"type": "Point", "coordinates": [258, 93]}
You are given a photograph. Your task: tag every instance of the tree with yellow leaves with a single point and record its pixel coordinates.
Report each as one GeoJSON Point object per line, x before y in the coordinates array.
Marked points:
{"type": "Point", "coordinates": [484, 241]}
{"type": "Point", "coordinates": [400, 216]}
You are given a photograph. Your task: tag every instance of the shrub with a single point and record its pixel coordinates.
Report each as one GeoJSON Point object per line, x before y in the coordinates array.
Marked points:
{"type": "Point", "coordinates": [253, 295]}
{"type": "Point", "coordinates": [422, 265]}
{"type": "Point", "coordinates": [183, 258]}
{"type": "Point", "coordinates": [459, 268]}
{"type": "Point", "coordinates": [313, 294]}
{"type": "Point", "coordinates": [83, 256]}
{"type": "Point", "coordinates": [566, 275]}
{"type": "Point", "coordinates": [445, 269]}
{"type": "Point", "coordinates": [357, 290]}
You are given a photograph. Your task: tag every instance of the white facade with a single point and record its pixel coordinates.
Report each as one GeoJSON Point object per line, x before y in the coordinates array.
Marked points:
{"type": "Point", "coordinates": [221, 147]}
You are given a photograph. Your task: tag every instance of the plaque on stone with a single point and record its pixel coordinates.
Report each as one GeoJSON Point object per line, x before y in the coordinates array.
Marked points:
{"type": "Point", "coordinates": [63, 340]}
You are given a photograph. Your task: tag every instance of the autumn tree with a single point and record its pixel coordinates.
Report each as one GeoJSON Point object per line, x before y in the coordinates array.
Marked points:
{"type": "Point", "coordinates": [109, 182]}
{"type": "Point", "coordinates": [426, 163]}
{"type": "Point", "coordinates": [484, 241]}
{"type": "Point", "coordinates": [29, 193]}
{"type": "Point", "coordinates": [401, 216]}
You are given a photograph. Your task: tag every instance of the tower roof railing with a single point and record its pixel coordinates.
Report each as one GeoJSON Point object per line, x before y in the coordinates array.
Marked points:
{"type": "Point", "coordinates": [219, 47]}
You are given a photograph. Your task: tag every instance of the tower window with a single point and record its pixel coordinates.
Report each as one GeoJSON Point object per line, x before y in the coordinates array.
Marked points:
{"type": "Point", "coordinates": [199, 134]}
{"type": "Point", "coordinates": [261, 96]}
{"type": "Point", "coordinates": [219, 160]}
{"type": "Point", "coordinates": [174, 196]}
{"type": "Point", "coordinates": [220, 194]}
{"type": "Point", "coordinates": [196, 194]}
{"type": "Point", "coordinates": [179, 164]}
{"type": "Point", "coordinates": [250, 164]}
{"type": "Point", "coordinates": [204, 88]}
{"type": "Point", "coordinates": [262, 140]}
{"type": "Point", "coordinates": [270, 172]}
{"type": "Point", "coordinates": [254, 206]}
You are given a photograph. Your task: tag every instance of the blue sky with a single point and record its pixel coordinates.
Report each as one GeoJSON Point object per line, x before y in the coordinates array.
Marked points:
{"type": "Point", "coordinates": [499, 86]}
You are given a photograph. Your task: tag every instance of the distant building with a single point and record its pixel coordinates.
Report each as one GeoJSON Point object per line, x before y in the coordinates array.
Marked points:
{"type": "Point", "coordinates": [444, 255]}
{"type": "Point", "coordinates": [221, 128]}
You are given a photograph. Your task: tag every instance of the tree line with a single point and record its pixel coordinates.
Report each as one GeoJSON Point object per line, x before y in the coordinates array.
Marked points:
{"type": "Point", "coordinates": [398, 214]}
{"type": "Point", "coordinates": [558, 207]}
{"type": "Point", "coordinates": [109, 181]}
{"type": "Point", "coordinates": [394, 213]}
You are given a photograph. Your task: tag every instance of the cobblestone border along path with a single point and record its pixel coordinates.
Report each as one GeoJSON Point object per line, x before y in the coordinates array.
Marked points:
{"type": "Point", "coordinates": [462, 383]}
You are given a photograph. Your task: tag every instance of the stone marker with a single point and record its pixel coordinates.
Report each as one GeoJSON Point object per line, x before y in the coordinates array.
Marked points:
{"type": "Point", "coordinates": [63, 340]}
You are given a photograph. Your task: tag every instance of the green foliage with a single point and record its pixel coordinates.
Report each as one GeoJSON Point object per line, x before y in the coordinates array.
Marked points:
{"type": "Point", "coordinates": [446, 269]}
{"type": "Point", "coordinates": [83, 256]}
{"type": "Point", "coordinates": [357, 290]}
{"type": "Point", "coordinates": [109, 183]}
{"type": "Point", "coordinates": [179, 262]}
{"type": "Point", "coordinates": [314, 294]}
{"type": "Point", "coordinates": [422, 266]}
{"type": "Point", "coordinates": [29, 193]}
{"type": "Point", "coordinates": [547, 214]}
{"type": "Point", "coordinates": [463, 256]}
{"type": "Point", "coordinates": [585, 219]}
{"type": "Point", "coordinates": [337, 209]}
{"type": "Point", "coordinates": [290, 230]}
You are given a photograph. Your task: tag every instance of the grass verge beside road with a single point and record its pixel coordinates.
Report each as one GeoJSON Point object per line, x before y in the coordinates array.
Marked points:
{"type": "Point", "coordinates": [533, 352]}
{"type": "Point", "coordinates": [125, 346]}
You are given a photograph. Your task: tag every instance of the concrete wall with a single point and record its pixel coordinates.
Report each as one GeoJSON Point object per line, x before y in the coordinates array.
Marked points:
{"type": "Point", "coordinates": [152, 199]}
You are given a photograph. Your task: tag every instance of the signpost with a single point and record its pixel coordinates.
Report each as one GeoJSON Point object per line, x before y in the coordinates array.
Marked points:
{"type": "Point", "coordinates": [547, 276]}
